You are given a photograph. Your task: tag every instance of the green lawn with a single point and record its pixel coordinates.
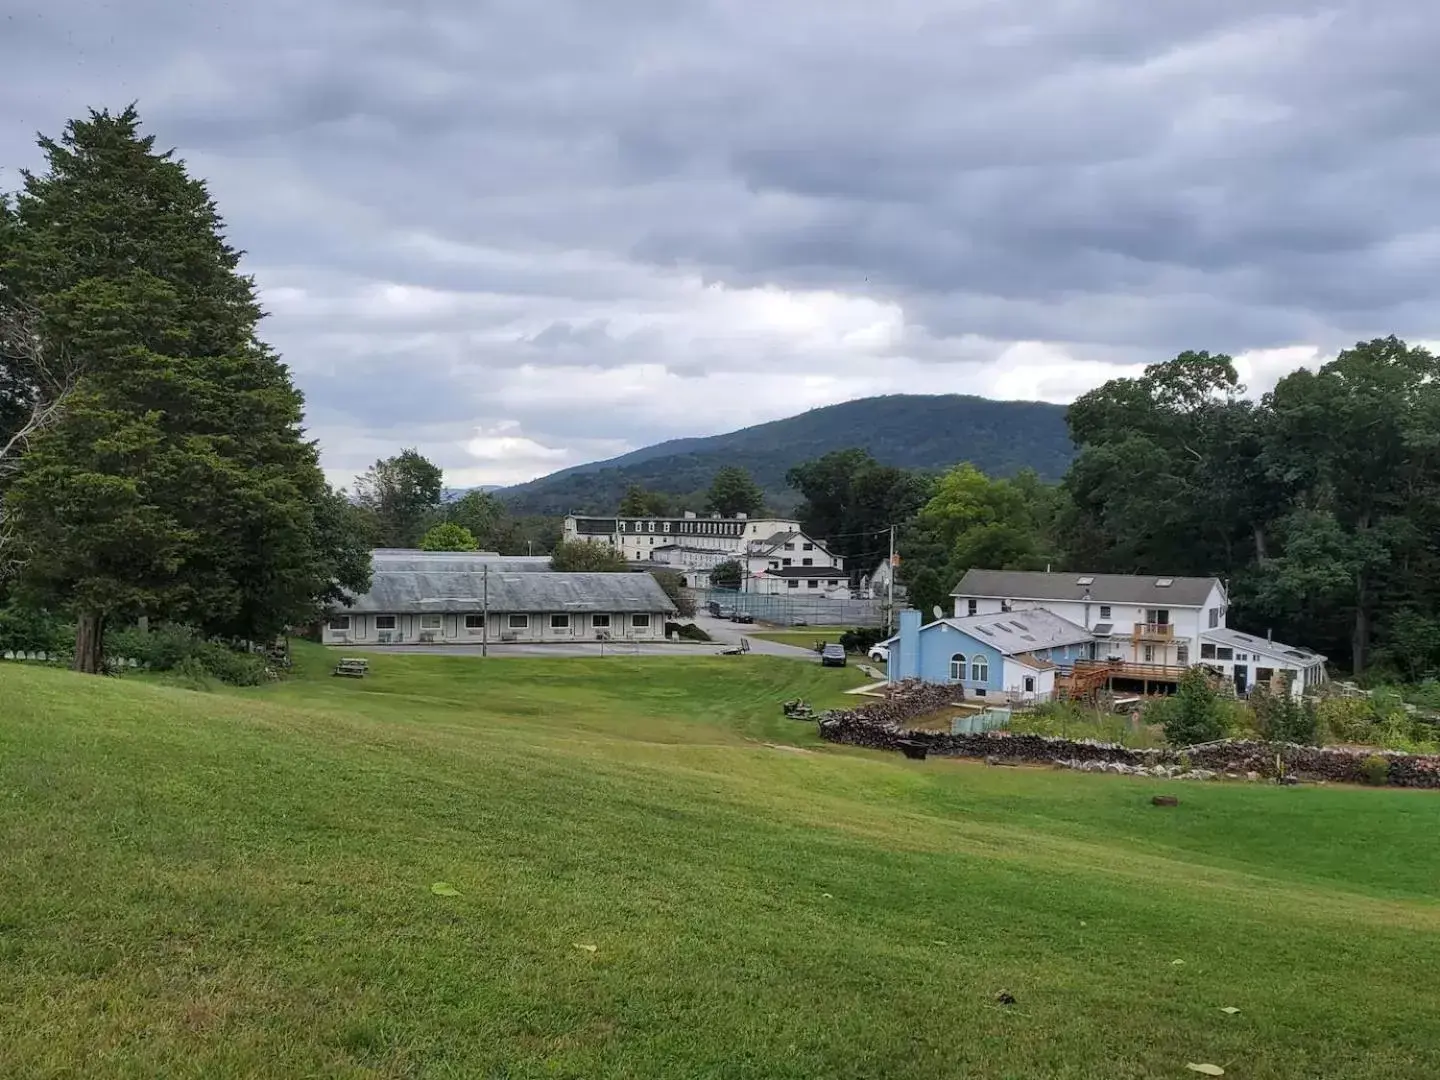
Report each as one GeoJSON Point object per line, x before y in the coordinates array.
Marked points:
{"type": "Point", "coordinates": [239, 885]}
{"type": "Point", "coordinates": [803, 638]}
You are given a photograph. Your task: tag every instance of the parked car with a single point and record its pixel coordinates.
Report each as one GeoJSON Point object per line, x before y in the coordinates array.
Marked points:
{"type": "Point", "coordinates": [742, 617]}
{"type": "Point", "coordinates": [832, 656]}
{"type": "Point", "coordinates": [880, 653]}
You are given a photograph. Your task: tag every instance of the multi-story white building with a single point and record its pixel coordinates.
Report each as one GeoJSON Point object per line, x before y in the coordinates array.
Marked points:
{"type": "Point", "coordinates": [790, 548]}
{"type": "Point", "coordinates": [637, 538]}
{"type": "Point", "coordinates": [1141, 627]}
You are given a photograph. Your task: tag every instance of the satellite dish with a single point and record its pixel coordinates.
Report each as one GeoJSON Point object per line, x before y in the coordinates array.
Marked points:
{"type": "Point", "coordinates": [939, 611]}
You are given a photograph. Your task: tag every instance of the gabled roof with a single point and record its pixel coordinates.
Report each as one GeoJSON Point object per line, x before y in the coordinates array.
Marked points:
{"type": "Point", "coordinates": [460, 562]}
{"type": "Point", "coordinates": [1292, 654]}
{"type": "Point", "coordinates": [431, 591]}
{"type": "Point", "coordinates": [1101, 588]}
{"type": "Point", "coordinates": [1015, 633]}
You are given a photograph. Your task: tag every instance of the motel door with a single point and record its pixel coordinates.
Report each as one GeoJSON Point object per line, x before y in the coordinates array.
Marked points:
{"type": "Point", "coordinates": [1242, 678]}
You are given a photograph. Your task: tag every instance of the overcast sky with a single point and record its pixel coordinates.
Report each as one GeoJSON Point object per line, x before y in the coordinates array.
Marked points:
{"type": "Point", "coordinates": [522, 234]}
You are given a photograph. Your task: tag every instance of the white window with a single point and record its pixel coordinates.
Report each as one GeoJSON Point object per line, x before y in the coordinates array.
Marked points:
{"type": "Point", "coordinates": [1105, 611]}
{"type": "Point", "coordinates": [474, 622]}
{"type": "Point", "coordinates": [957, 667]}
{"type": "Point", "coordinates": [1214, 617]}
{"type": "Point", "coordinates": [342, 622]}
{"type": "Point", "coordinates": [640, 622]}
{"type": "Point", "coordinates": [832, 584]}
{"type": "Point", "coordinates": [809, 547]}
{"type": "Point", "coordinates": [600, 622]}
{"type": "Point", "coordinates": [518, 622]}
{"type": "Point", "coordinates": [789, 547]}
{"type": "Point", "coordinates": [1182, 654]}
{"type": "Point", "coordinates": [384, 622]}
{"type": "Point", "coordinates": [980, 670]}
{"type": "Point", "coordinates": [1149, 654]}
{"type": "Point", "coordinates": [559, 622]}
{"type": "Point", "coordinates": [785, 562]}
{"type": "Point", "coordinates": [807, 562]}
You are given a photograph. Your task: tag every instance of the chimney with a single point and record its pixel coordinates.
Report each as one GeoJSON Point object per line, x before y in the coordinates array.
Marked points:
{"type": "Point", "coordinates": [1269, 635]}
{"type": "Point", "coordinates": [741, 517]}
{"type": "Point", "coordinates": [689, 515]}
{"type": "Point", "coordinates": [909, 665]}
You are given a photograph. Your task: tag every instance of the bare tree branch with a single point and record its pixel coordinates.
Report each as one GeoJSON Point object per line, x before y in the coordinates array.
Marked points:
{"type": "Point", "coordinates": [34, 380]}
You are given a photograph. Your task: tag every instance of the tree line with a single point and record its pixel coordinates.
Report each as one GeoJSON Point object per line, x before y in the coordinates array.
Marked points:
{"type": "Point", "coordinates": [1318, 504]}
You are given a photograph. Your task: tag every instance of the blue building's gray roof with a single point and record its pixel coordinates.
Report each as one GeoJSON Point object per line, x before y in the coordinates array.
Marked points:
{"type": "Point", "coordinates": [1016, 632]}
{"type": "Point", "coordinates": [428, 589]}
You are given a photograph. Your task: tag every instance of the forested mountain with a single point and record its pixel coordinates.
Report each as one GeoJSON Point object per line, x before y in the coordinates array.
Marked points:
{"type": "Point", "coordinates": [913, 431]}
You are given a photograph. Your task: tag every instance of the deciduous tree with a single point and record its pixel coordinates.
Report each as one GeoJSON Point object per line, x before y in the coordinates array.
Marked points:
{"type": "Point", "coordinates": [402, 493]}
{"type": "Point", "coordinates": [447, 536]}
{"type": "Point", "coordinates": [585, 557]}
{"type": "Point", "coordinates": [734, 491]}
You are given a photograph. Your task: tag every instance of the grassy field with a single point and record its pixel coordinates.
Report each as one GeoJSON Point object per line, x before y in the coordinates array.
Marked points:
{"type": "Point", "coordinates": [804, 638]}
{"type": "Point", "coordinates": [657, 875]}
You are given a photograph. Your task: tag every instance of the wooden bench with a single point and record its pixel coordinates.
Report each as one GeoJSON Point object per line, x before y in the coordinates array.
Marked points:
{"type": "Point", "coordinates": [352, 668]}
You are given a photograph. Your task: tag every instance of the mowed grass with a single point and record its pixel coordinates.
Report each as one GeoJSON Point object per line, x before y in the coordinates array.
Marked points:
{"type": "Point", "coordinates": [239, 885]}
{"type": "Point", "coordinates": [803, 639]}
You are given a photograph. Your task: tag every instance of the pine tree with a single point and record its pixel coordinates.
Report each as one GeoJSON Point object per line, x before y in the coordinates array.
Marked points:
{"type": "Point", "coordinates": [179, 483]}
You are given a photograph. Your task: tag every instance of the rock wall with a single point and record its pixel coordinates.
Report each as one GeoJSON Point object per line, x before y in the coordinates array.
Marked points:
{"type": "Point", "coordinates": [882, 726]}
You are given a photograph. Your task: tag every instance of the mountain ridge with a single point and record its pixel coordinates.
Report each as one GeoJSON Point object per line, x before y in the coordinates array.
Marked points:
{"type": "Point", "coordinates": [916, 431]}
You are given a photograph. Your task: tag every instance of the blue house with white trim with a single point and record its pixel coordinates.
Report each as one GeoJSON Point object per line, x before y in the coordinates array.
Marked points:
{"type": "Point", "coordinates": [1009, 656]}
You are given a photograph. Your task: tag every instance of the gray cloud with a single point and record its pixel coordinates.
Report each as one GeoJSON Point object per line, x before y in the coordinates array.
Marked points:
{"type": "Point", "coordinates": [518, 236]}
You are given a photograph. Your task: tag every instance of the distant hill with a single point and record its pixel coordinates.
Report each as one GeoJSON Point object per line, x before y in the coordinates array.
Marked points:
{"type": "Point", "coordinates": [917, 431]}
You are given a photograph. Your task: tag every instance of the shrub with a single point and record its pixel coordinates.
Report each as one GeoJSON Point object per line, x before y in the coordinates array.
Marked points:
{"type": "Point", "coordinates": [193, 675]}
{"type": "Point", "coordinates": [863, 638]}
{"type": "Point", "coordinates": [170, 647]}
{"type": "Point", "coordinates": [686, 631]}
{"type": "Point", "coordinates": [1345, 720]}
{"type": "Point", "coordinates": [727, 575]}
{"type": "Point", "coordinates": [1196, 715]}
{"type": "Point", "coordinates": [1280, 718]}
{"type": "Point", "coordinates": [448, 536]}
{"type": "Point", "coordinates": [29, 630]}
{"type": "Point", "coordinates": [1375, 770]}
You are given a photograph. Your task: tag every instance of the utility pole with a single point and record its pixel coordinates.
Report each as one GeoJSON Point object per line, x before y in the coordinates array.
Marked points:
{"type": "Point", "coordinates": [890, 601]}
{"type": "Point", "coordinates": [485, 610]}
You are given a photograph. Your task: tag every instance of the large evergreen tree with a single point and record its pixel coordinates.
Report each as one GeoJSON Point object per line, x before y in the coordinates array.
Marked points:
{"type": "Point", "coordinates": [179, 483]}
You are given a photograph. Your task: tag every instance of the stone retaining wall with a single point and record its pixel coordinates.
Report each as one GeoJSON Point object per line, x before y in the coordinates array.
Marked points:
{"type": "Point", "coordinates": [881, 726]}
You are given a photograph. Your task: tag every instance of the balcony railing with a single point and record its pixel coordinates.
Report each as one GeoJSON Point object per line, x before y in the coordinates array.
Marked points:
{"type": "Point", "coordinates": [1154, 631]}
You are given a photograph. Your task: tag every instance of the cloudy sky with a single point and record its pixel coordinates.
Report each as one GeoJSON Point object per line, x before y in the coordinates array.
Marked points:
{"type": "Point", "coordinates": [522, 234]}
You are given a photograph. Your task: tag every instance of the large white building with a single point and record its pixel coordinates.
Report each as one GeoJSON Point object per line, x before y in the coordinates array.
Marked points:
{"type": "Point", "coordinates": [1143, 627]}
{"type": "Point", "coordinates": [637, 538]}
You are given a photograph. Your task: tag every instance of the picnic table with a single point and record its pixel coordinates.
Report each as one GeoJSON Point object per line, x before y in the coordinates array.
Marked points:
{"type": "Point", "coordinates": [352, 668]}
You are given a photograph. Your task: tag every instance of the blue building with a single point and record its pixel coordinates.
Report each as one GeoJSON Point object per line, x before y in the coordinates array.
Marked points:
{"type": "Point", "coordinates": [1009, 656]}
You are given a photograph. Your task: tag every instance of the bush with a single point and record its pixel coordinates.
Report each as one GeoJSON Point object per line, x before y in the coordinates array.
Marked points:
{"type": "Point", "coordinates": [1345, 720]}
{"type": "Point", "coordinates": [686, 631]}
{"type": "Point", "coordinates": [727, 575]}
{"type": "Point", "coordinates": [29, 630]}
{"type": "Point", "coordinates": [1376, 770]}
{"type": "Point", "coordinates": [172, 648]}
{"type": "Point", "coordinates": [1196, 716]}
{"type": "Point", "coordinates": [863, 638]}
{"type": "Point", "coordinates": [193, 675]}
{"type": "Point", "coordinates": [1280, 718]}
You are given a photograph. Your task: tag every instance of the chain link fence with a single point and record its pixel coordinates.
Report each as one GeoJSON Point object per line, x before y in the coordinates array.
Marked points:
{"type": "Point", "coordinates": [784, 610]}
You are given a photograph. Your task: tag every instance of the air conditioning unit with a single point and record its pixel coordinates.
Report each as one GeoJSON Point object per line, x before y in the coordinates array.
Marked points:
{"type": "Point", "coordinates": [386, 637]}
{"type": "Point", "coordinates": [427, 637]}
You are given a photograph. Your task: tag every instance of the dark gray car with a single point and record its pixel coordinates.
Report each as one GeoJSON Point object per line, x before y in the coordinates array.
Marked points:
{"type": "Point", "coordinates": [833, 656]}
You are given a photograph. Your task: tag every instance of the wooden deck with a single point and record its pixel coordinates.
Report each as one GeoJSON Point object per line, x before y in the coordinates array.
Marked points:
{"type": "Point", "coordinates": [1089, 676]}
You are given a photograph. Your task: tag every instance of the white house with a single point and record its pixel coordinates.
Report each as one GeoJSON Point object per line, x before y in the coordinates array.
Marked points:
{"type": "Point", "coordinates": [463, 598]}
{"type": "Point", "coordinates": [798, 581]}
{"type": "Point", "coordinates": [637, 538]}
{"type": "Point", "coordinates": [789, 548]}
{"type": "Point", "coordinates": [1145, 628]}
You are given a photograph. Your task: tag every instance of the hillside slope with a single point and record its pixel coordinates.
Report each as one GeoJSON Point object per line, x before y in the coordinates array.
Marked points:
{"type": "Point", "coordinates": [918, 431]}
{"type": "Point", "coordinates": [639, 868]}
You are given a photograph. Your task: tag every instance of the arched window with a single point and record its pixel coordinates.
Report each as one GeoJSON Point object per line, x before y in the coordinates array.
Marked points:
{"type": "Point", "coordinates": [980, 669]}
{"type": "Point", "coordinates": [957, 667]}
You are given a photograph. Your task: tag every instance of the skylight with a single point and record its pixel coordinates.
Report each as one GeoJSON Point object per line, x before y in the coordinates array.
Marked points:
{"type": "Point", "coordinates": [986, 631]}
{"type": "Point", "coordinates": [1085, 581]}
{"type": "Point", "coordinates": [1164, 582]}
